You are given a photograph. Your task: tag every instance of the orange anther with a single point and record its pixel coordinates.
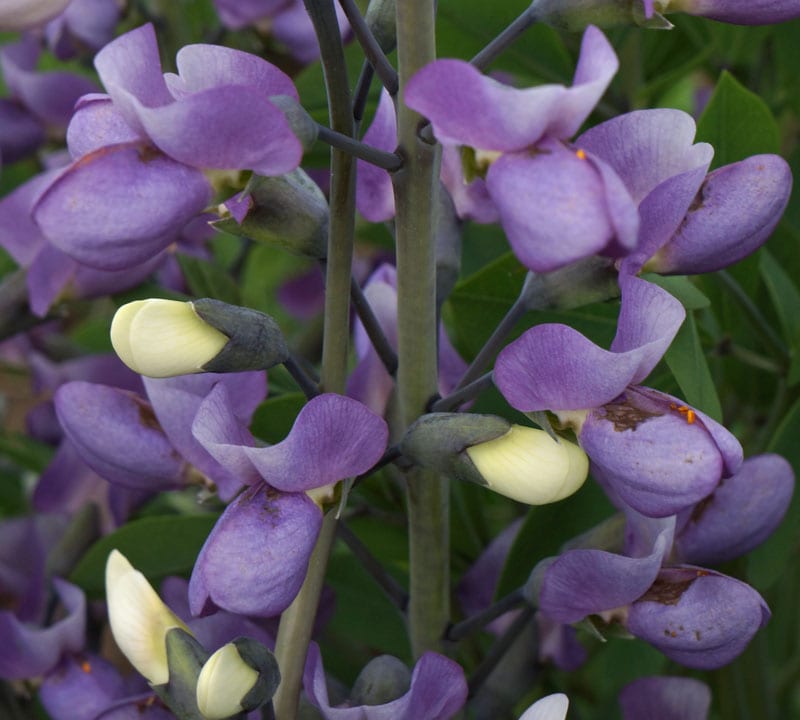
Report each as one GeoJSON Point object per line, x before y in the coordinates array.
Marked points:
{"type": "Point", "coordinates": [86, 667]}
{"type": "Point", "coordinates": [690, 416]}
{"type": "Point", "coordinates": [581, 154]}
{"type": "Point", "coordinates": [683, 409]}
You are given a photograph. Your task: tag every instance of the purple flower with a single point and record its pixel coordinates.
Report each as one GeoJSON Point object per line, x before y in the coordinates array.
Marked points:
{"type": "Point", "coordinates": [154, 133]}
{"type": "Point", "coordinates": [690, 222]}
{"type": "Point", "coordinates": [285, 20]}
{"type": "Point", "coordinates": [648, 449]}
{"type": "Point", "coordinates": [256, 557]}
{"type": "Point", "coordinates": [370, 382]}
{"type": "Point", "coordinates": [743, 511]}
{"type": "Point", "coordinates": [437, 691]}
{"type": "Point", "coordinates": [696, 617]}
{"type": "Point", "coordinates": [83, 24]}
{"type": "Point", "coordinates": [556, 204]}
{"type": "Point", "coordinates": [32, 644]}
{"type": "Point", "coordinates": [39, 100]}
{"type": "Point", "coordinates": [24, 14]}
{"type": "Point", "coordinates": [148, 444]}
{"type": "Point", "coordinates": [665, 698]}
{"type": "Point", "coordinates": [754, 12]}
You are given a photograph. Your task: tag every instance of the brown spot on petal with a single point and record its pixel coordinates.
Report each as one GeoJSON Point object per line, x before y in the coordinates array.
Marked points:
{"type": "Point", "coordinates": [147, 417]}
{"type": "Point", "coordinates": [148, 153]}
{"type": "Point", "coordinates": [665, 592]}
{"type": "Point", "coordinates": [697, 635]}
{"type": "Point", "coordinates": [627, 417]}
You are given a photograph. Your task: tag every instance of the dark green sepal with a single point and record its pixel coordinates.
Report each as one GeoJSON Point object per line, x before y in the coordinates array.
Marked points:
{"type": "Point", "coordinates": [289, 211]}
{"type": "Point", "coordinates": [185, 659]}
{"type": "Point", "coordinates": [261, 659]}
{"type": "Point", "coordinates": [438, 441]}
{"type": "Point", "coordinates": [256, 342]}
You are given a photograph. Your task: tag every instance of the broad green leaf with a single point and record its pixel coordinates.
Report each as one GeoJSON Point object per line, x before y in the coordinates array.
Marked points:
{"type": "Point", "coordinates": [478, 304]}
{"type": "Point", "coordinates": [786, 300]}
{"type": "Point", "coordinates": [206, 279]}
{"type": "Point", "coordinates": [679, 286]}
{"type": "Point", "coordinates": [546, 528]}
{"type": "Point", "coordinates": [157, 546]}
{"type": "Point", "coordinates": [737, 123]}
{"type": "Point", "coordinates": [273, 419]}
{"type": "Point", "coordinates": [687, 361]}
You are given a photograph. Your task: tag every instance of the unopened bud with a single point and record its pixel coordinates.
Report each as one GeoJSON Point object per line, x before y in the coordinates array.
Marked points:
{"type": "Point", "coordinates": [303, 126]}
{"type": "Point", "coordinates": [139, 619]}
{"type": "Point", "coordinates": [528, 465]}
{"type": "Point", "coordinates": [381, 19]}
{"type": "Point", "coordinates": [239, 677]}
{"type": "Point", "coordinates": [439, 440]}
{"type": "Point", "coordinates": [289, 211]}
{"type": "Point", "coordinates": [383, 679]}
{"type": "Point", "coordinates": [163, 338]}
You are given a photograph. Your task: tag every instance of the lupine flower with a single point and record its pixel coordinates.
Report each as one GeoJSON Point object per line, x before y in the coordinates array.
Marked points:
{"type": "Point", "coordinates": [437, 691]}
{"type": "Point", "coordinates": [576, 14]}
{"type": "Point", "coordinates": [147, 444]}
{"type": "Point", "coordinates": [40, 102]}
{"type": "Point", "coordinates": [649, 449]}
{"type": "Point", "coordinates": [274, 521]}
{"type": "Point", "coordinates": [690, 221]}
{"type": "Point", "coordinates": [285, 20]}
{"type": "Point", "coordinates": [743, 511]}
{"type": "Point", "coordinates": [697, 617]}
{"type": "Point", "coordinates": [556, 204]}
{"type": "Point", "coordinates": [157, 132]}
{"type": "Point", "coordinates": [370, 382]}
{"type": "Point", "coordinates": [33, 639]}
{"type": "Point", "coordinates": [24, 14]}
{"type": "Point", "coordinates": [665, 698]}
{"type": "Point", "coordinates": [84, 24]}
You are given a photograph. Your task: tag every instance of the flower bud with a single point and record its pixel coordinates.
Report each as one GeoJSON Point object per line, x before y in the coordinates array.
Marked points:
{"type": "Point", "coordinates": [139, 619]}
{"type": "Point", "coordinates": [528, 465]}
{"type": "Point", "coordinates": [383, 679]}
{"type": "Point", "coordinates": [381, 17]}
{"type": "Point", "coordinates": [239, 677]}
{"type": "Point", "coordinates": [289, 211]}
{"type": "Point", "coordinates": [163, 338]}
{"type": "Point", "coordinates": [303, 126]}
{"type": "Point", "coordinates": [519, 462]}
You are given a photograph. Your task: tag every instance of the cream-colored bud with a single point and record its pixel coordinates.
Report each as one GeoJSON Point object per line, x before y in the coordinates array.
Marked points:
{"type": "Point", "coordinates": [139, 619]}
{"type": "Point", "coordinates": [162, 338]}
{"type": "Point", "coordinates": [527, 465]}
{"type": "Point", "coordinates": [223, 682]}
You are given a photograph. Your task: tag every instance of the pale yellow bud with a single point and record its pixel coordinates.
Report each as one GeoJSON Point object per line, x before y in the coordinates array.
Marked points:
{"type": "Point", "coordinates": [223, 682]}
{"type": "Point", "coordinates": [139, 619]}
{"type": "Point", "coordinates": [528, 465]}
{"type": "Point", "coordinates": [162, 338]}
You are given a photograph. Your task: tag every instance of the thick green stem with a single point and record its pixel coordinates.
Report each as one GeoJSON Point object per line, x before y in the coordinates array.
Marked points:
{"type": "Point", "coordinates": [416, 186]}
{"type": "Point", "coordinates": [297, 622]}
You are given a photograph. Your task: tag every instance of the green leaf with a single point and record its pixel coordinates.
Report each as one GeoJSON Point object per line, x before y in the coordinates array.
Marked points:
{"type": "Point", "coordinates": [207, 279]}
{"type": "Point", "coordinates": [546, 528]}
{"type": "Point", "coordinates": [687, 361]}
{"type": "Point", "coordinates": [737, 123]}
{"type": "Point", "coordinates": [157, 546]}
{"type": "Point", "coordinates": [478, 304]}
{"type": "Point", "coordinates": [680, 287]}
{"type": "Point", "coordinates": [273, 419]}
{"type": "Point", "coordinates": [786, 300]}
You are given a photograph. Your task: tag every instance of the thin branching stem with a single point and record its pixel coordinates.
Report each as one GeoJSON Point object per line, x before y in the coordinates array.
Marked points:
{"type": "Point", "coordinates": [506, 38]}
{"type": "Point", "coordinates": [375, 56]}
{"type": "Point", "coordinates": [372, 565]}
{"type": "Point", "coordinates": [380, 158]}
{"type": "Point", "coordinates": [459, 631]}
{"type": "Point", "coordinates": [465, 394]}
